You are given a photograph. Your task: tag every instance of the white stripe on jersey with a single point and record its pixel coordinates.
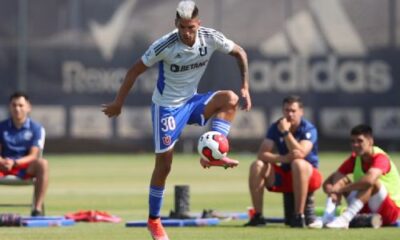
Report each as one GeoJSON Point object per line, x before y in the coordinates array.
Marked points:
{"type": "Point", "coordinates": [181, 66]}
{"type": "Point", "coordinates": [42, 140]}
{"type": "Point", "coordinates": [157, 126]}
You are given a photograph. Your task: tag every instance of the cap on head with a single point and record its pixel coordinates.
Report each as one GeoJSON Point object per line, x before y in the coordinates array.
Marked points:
{"type": "Point", "coordinates": [187, 9]}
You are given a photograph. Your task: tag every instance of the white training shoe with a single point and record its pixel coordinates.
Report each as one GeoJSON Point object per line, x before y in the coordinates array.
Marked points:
{"type": "Point", "coordinates": [339, 222]}
{"type": "Point", "coordinates": [316, 224]}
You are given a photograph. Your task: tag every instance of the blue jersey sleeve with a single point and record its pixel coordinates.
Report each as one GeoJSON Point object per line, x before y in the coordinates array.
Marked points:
{"type": "Point", "coordinates": [309, 134]}
{"type": "Point", "coordinates": [38, 138]}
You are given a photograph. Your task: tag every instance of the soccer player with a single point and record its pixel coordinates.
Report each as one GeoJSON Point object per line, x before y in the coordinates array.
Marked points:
{"type": "Point", "coordinates": [375, 187]}
{"type": "Point", "coordinates": [291, 168]}
{"type": "Point", "coordinates": [21, 145]}
{"type": "Point", "coordinates": [182, 57]}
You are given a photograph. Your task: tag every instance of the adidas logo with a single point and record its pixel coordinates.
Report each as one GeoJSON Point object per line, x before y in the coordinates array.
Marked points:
{"type": "Point", "coordinates": [319, 50]}
{"type": "Point", "coordinates": [178, 56]}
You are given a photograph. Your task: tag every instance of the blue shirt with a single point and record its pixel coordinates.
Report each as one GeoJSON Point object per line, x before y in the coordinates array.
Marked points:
{"type": "Point", "coordinates": [16, 143]}
{"type": "Point", "coordinates": [305, 131]}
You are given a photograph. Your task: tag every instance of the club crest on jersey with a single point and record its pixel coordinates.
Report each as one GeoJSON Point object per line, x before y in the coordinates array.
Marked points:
{"type": "Point", "coordinates": [203, 51]}
{"type": "Point", "coordinates": [166, 140]}
{"type": "Point", "coordinates": [28, 135]}
{"type": "Point", "coordinates": [308, 135]}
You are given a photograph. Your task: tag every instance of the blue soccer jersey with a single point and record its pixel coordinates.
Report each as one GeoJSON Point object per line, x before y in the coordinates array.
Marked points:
{"type": "Point", "coordinates": [180, 66]}
{"type": "Point", "coordinates": [305, 131]}
{"type": "Point", "coordinates": [16, 143]}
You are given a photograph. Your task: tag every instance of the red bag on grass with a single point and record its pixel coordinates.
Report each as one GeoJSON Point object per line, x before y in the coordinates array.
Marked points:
{"type": "Point", "coordinates": [93, 216]}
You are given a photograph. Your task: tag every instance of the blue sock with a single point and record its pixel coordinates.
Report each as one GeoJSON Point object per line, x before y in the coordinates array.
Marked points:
{"type": "Point", "coordinates": [221, 126]}
{"type": "Point", "coordinates": [156, 196]}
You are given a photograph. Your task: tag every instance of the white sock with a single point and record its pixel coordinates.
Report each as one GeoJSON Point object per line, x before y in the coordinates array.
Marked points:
{"type": "Point", "coordinates": [330, 206]}
{"type": "Point", "coordinates": [330, 209]}
{"type": "Point", "coordinates": [354, 207]}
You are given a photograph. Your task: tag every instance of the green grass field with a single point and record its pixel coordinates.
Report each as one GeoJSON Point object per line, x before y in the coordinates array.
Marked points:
{"type": "Point", "coordinates": [118, 184]}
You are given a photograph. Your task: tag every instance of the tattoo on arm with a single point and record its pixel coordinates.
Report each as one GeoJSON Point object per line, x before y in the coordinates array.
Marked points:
{"type": "Point", "coordinates": [242, 61]}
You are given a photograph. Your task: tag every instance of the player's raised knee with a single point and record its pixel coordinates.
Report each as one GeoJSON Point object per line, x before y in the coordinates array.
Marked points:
{"type": "Point", "coordinates": [232, 98]}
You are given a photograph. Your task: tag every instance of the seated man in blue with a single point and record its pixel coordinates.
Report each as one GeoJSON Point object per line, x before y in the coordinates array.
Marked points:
{"type": "Point", "coordinates": [292, 168]}
{"type": "Point", "coordinates": [21, 145]}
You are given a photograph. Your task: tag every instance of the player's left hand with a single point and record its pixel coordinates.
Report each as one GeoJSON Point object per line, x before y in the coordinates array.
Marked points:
{"type": "Point", "coordinates": [6, 164]}
{"type": "Point", "coordinates": [111, 110]}
{"type": "Point", "coordinates": [247, 99]}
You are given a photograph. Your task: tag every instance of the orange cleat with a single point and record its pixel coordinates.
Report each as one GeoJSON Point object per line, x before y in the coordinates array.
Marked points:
{"type": "Point", "coordinates": [156, 229]}
{"type": "Point", "coordinates": [224, 162]}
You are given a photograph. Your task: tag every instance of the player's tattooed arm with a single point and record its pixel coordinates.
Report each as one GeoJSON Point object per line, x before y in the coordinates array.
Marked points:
{"type": "Point", "coordinates": [241, 57]}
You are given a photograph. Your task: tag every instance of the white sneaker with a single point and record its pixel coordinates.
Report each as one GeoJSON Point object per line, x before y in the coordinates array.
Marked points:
{"type": "Point", "coordinates": [339, 222]}
{"type": "Point", "coordinates": [317, 224]}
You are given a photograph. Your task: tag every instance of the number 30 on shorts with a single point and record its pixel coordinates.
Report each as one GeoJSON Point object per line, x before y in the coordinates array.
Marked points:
{"type": "Point", "coordinates": [168, 124]}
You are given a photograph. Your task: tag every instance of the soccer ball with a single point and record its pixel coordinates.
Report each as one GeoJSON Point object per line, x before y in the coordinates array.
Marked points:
{"type": "Point", "coordinates": [213, 146]}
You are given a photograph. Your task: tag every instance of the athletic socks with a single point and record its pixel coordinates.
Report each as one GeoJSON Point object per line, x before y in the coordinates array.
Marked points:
{"type": "Point", "coordinates": [354, 207]}
{"type": "Point", "coordinates": [221, 126]}
{"type": "Point", "coordinates": [330, 210]}
{"type": "Point", "coordinates": [156, 195]}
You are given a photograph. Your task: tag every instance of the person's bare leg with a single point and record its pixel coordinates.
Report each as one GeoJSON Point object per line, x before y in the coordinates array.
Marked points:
{"type": "Point", "coordinates": [223, 105]}
{"type": "Point", "coordinates": [301, 173]}
{"type": "Point", "coordinates": [40, 170]}
{"type": "Point", "coordinates": [162, 168]}
{"type": "Point", "coordinates": [257, 181]}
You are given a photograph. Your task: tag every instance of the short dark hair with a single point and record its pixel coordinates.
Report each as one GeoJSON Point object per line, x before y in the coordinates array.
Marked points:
{"type": "Point", "coordinates": [195, 13]}
{"type": "Point", "coordinates": [19, 94]}
{"type": "Point", "coordinates": [293, 99]}
{"type": "Point", "coordinates": [362, 129]}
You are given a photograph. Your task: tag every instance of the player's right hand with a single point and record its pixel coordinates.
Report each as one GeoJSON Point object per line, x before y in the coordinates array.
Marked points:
{"type": "Point", "coordinates": [111, 109]}
{"type": "Point", "coordinates": [284, 124]}
{"type": "Point", "coordinates": [247, 99]}
{"type": "Point", "coordinates": [6, 164]}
